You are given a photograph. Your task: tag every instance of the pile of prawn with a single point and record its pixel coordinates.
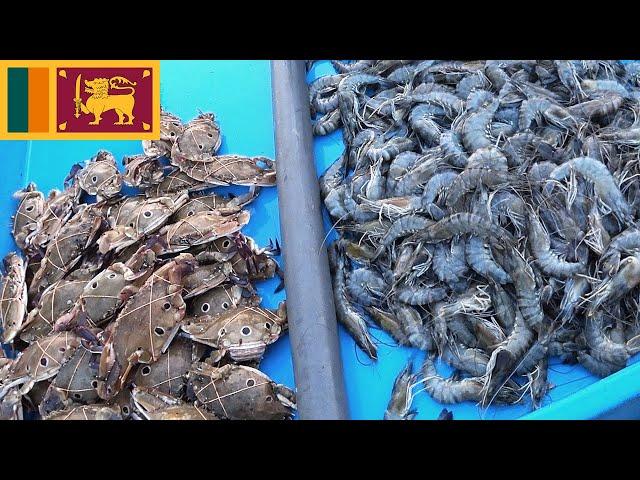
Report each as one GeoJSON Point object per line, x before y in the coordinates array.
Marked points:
{"type": "Point", "coordinates": [487, 214]}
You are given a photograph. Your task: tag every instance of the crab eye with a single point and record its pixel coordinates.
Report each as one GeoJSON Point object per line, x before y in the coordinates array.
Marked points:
{"type": "Point", "coordinates": [200, 147]}
{"type": "Point", "coordinates": [112, 275]}
{"type": "Point", "coordinates": [221, 332]}
{"type": "Point", "coordinates": [173, 134]}
{"type": "Point", "coordinates": [225, 305]}
{"type": "Point", "coordinates": [205, 307]}
{"type": "Point", "coordinates": [29, 208]}
{"type": "Point", "coordinates": [94, 384]}
{"type": "Point", "coordinates": [245, 331]}
{"type": "Point", "coordinates": [146, 370]}
{"type": "Point", "coordinates": [251, 382]}
{"type": "Point", "coordinates": [125, 410]}
{"type": "Point", "coordinates": [159, 331]}
{"type": "Point", "coordinates": [131, 225]}
{"type": "Point", "coordinates": [94, 179]}
{"type": "Point", "coordinates": [269, 398]}
{"type": "Point", "coordinates": [268, 326]}
{"type": "Point", "coordinates": [226, 244]}
{"type": "Point", "coordinates": [147, 213]}
{"type": "Point", "coordinates": [44, 361]}
{"type": "Point", "coordinates": [94, 285]}
{"type": "Point", "coordinates": [190, 213]}
{"type": "Point", "coordinates": [166, 306]}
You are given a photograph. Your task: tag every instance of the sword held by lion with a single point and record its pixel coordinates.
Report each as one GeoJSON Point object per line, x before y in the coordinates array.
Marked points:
{"type": "Point", "coordinates": [100, 101]}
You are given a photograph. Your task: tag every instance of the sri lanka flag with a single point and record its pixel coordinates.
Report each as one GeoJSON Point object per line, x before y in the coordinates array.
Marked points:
{"type": "Point", "coordinates": [27, 99]}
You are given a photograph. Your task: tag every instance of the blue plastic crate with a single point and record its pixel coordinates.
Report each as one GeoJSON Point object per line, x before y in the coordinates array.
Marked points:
{"type": "Point", "coordinates": [239, 93]}
{"type": "Point", "coordinates": [577, 394]}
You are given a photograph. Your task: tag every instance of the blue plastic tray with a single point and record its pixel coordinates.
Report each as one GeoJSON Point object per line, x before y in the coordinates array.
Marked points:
{"type": "Point", "coordinates": [239, 93]}
{"type": "Point", "coordinates": [577, 394]}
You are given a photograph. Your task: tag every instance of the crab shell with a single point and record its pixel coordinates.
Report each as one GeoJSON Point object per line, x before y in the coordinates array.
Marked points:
{"type": "Point", "coordinates": [176, 181]}
{"type": "Point", "coordinates": [220, 250]}
{"type": "Point", "coordinates": [169, 374]}
{"type": "Point", "coordinates": [102, 295]}
{"type": "Point", "coordinates": [142, 171]}
{"type": "Point", "coordinates": [170, 128]}
{"type": "Point", "coordinates": [29, 210]}
{"type": "Point", "coordinates": [242, 332]}
{"type": "Point", "coordinates": [100, 176]}
{"type": "Point", "coordinates": [205, 203]}
{"type": "Point", "coordinates": [201, 228]}
{"type": "Point", "coordinates": [229, 170]}
{"type": "Point", "coordinates": [200, 135]}
{"type": "Point", "coordinates": [58, 208]}
{"type": "Point", "coordinates": [42, 359]}
{"type": "Point", "coordinates": [13, 296]}
{"type": "Point", "coordinates": [238, 392]}
{"type": "Point", "coordinates": [206, 277]}
{"type": "Point", "coordinates": [145, 218]}
{"type": "Point", "coordinates": [87, 412]}
{"type": "Point", "coordinates": [77, 377]}
{"type": "Point", "coordinates": [66, 249]}
{"type": "Point", "coordinates": [221, 299]}
{"type": "Point", "coordinates": [55, 301]}
{"type": "Point", "coordinates": [153, 405]}
{"type": "Point", "coordinates": [145, 325]}
{"type": "Point", "coordinates": [11, 405]}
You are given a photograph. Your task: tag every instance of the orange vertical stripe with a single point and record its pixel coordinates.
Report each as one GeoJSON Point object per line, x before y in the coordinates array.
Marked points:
{"type": "Point", "coordinates": [38, 99]}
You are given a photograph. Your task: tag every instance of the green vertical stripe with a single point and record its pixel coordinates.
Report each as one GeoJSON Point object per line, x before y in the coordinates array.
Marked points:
{"type": "Point", "coordinates": [18, 101]}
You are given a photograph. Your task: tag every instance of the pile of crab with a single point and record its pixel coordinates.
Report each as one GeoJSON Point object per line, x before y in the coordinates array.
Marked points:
{"type": "Point", "coordinates": [142, 306]}
{"type": "Point", "coordinates": [487, 213]}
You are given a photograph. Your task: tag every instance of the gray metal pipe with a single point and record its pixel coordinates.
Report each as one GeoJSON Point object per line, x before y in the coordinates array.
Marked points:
{"type": "Point", "coordinates": [313, 331]}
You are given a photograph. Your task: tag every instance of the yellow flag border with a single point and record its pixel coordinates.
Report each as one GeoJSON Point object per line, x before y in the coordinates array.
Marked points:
{"type": "Point", "coordinates": [53, 134]}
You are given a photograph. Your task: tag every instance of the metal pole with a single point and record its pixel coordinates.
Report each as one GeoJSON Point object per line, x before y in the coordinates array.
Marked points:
{"type": "Point", "coordinates": [317, 365]}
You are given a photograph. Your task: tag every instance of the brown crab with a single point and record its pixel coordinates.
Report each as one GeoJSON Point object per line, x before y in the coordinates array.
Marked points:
{"type": "Point", "coordinates": [13, 296]}
{"type": "Point", "coordinates": [56, 300]}
{"type": "Point", "coordinates": [145, 326]}
{"type": "Point", "coordinates": [171, 128]}
{"type": "Point", "coordinates": [136, 219]}
{"type": "Point", "coordinates": [66, 248]}
{"type": "Point", "coordinates": [100, 176]}
{"type": "Point", "coordinates": [200, 136]}
{"type": "Point", "coordinates": [58, 208]}
{"type": "Point", "coordinates": [229, 169]}
{"type": "Point", "coordinates": [40, 361]}
{"type": "Point", "coordinates": [213, 202]}
{"type": "Point", "coordinates": [238, 392]}
{"type": "Point", "coordinates": [200, 228]}
{"type": "Point", "coordinates": [29, 210]}
{"type": "Point", "coordinates": [155, 405]}
{"type": "Point", "coordinates": [243, 332]}
{"type": "Point", "coordinates": [142, 171]}
{"type": "Point", "coordinates": [221, 299]}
